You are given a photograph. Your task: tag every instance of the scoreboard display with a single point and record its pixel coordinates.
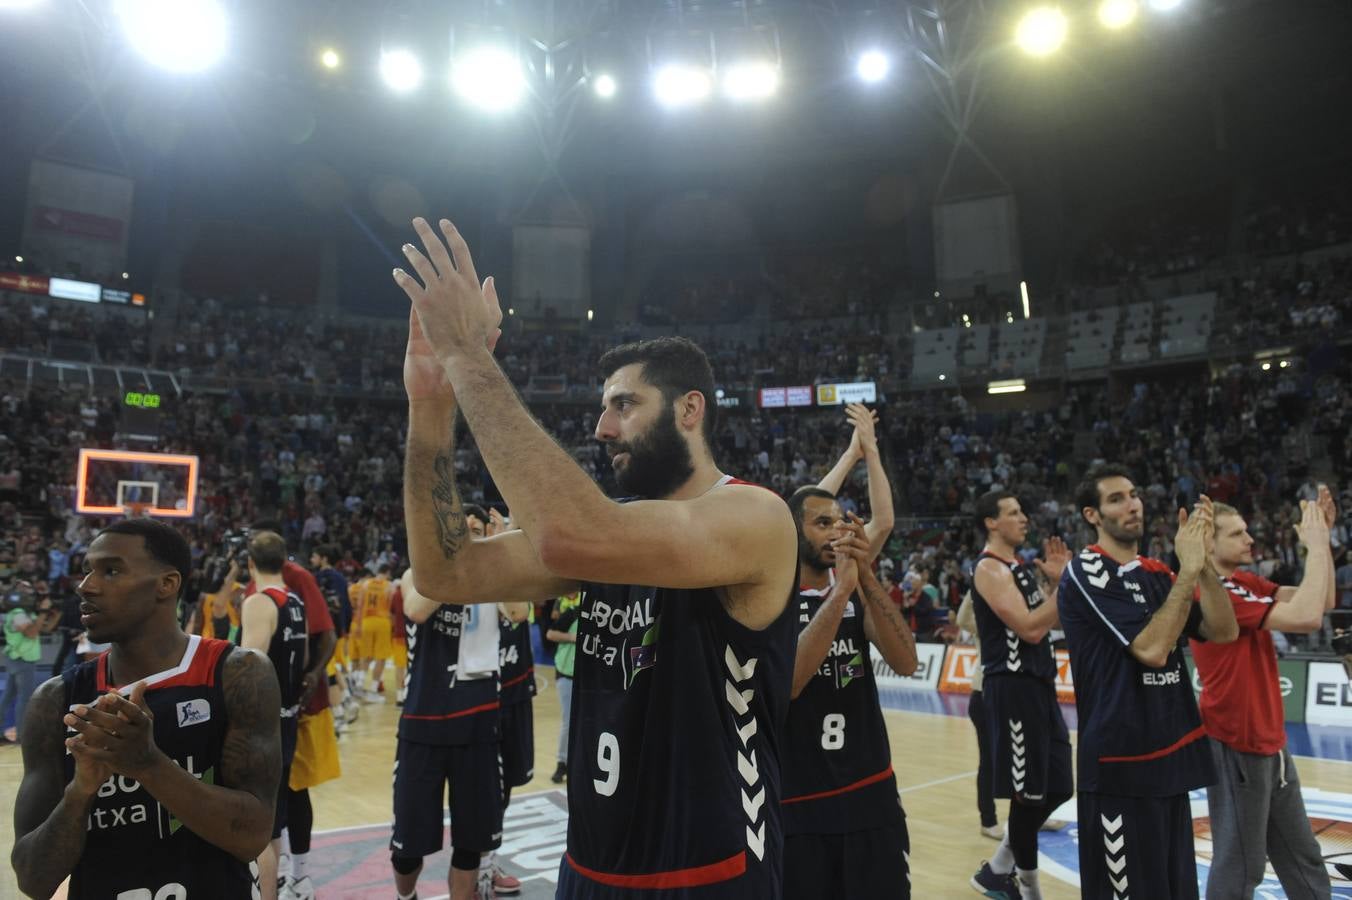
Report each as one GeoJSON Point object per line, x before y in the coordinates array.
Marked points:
{"type": "Point", "coordinates": [142, 412]}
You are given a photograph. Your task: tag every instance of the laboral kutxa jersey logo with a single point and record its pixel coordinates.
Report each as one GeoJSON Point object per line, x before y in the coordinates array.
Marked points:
{"type": "Point", "coordinates": [1330, 817]}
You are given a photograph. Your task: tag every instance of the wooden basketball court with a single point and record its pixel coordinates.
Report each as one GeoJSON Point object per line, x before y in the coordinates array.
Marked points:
{"type": "Point", "coordinates": [934, 757]}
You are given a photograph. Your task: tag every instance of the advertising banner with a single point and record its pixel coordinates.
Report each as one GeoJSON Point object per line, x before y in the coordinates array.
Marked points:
{"type": "Point", "coordinates": [926, 677]}
{"type": "Point", "coordinates": [28, 284]}
{"type": "Point", "coordinates": [1291, 676]}
{"type": "Point", "coordinates": [1328, 695]}
{"type": "Point", "coordinates": [854, 392]}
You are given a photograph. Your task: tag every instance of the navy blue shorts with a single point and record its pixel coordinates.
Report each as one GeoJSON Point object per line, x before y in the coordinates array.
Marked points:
{"type": "Point", "coordinates": [861, 865]}
{"type": "Point", "coordinates": [473, 792]}
{"type": "Point", "coordinates": [1030, 746]}
{"type": "Point", "coordinates": [516, 725]}
{"type": "Point", "coordinates": [1136, 847]}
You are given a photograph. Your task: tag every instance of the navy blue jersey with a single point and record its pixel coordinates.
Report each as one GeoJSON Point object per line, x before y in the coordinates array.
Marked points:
{"type": "Point", "coordinates": [837, 760]}
{"type": "Point", "coordinates": [1140, 732]}
{"type": "Point", "coordinates": [287, 647]}
{"type": "Point", "coordinates": [440, 707]}
{"type": "Point", "coordinates": [516, 661]}
{"type": "Point", "coordinates": [674, 756]}
{"type": "Point", "coordinates": [334, 588]}
{"type": "Point", "coordinates": [133, 845]}
{"type": "Point", "coordinates": [1003, 652]}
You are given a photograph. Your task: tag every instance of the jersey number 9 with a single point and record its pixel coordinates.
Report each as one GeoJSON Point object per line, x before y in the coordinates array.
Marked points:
{"type": "Point", "coordinates": [608, 761]}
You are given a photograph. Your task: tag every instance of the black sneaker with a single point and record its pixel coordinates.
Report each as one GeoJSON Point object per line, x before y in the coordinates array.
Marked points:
{"type": "Point", "coordinates": [997, 887]}
{"type": "Point", "coordinates": [560, 774]}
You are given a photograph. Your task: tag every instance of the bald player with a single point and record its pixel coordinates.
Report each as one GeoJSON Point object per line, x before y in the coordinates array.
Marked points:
{"type": "Point", "coordinates": [685, 643]}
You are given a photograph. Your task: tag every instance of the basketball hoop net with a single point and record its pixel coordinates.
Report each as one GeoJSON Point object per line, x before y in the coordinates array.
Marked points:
{"type": "Point", "coordinates": [135, 510]}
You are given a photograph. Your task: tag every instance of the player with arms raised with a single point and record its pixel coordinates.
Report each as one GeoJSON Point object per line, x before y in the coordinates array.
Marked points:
{"type": "Point", "coordinates": [686, 636]}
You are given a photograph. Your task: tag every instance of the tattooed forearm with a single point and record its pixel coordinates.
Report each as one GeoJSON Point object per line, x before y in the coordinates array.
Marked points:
{"type": "Point", "coordinates": [49, 815]}
{"type": "Point", "coordinates": [891, 634]}
{"type": "Point", "coordinates": [446, 506]}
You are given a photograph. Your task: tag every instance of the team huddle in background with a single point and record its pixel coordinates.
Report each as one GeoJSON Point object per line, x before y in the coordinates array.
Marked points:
{"type": "Point", "coordinates": [723, 732]}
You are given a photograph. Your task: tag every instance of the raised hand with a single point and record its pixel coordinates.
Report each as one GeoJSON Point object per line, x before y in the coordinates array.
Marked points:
{"type": "Point", "coordinates": [851, 549]}
{"type": "Point", "coordinates": [853, 540]}
{"type": "Point", "coordinates": [1327, 506]}
{"type": "Point", "coordinates": [1194, 536]}
{"type": "Point", "coordinates": [1313, 529]}
{"type": "Point", "coordinates": [496, 523]}
{"type": "Point", "coordinates": [457, 315]}
{"type": "Point", "coordinates": [1056, 556]}
{"type": "Point", "coordinates": [863, 419]}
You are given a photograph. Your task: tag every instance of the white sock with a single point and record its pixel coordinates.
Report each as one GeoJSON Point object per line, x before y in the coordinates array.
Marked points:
{"type": "Point", "coordinates": [485, 863]}
{"type": "Point", "coordinates": [299, 864]}
{"type": "Point", "coordinates": [1029, 889]}
{"type": "Point", "coordinates": [412, 895]}
{"type": "Point", "coordinates": [1002, 863]}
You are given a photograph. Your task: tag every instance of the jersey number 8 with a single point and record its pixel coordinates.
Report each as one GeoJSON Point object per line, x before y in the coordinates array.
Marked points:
{"type": "Point", "coordinates": [833, 731]}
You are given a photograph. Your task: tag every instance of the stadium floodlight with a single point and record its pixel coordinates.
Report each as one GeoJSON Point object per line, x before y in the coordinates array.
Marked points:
{"type": "Point", "coordinates": [1012, 386]}
{"type": "Point", "coordinates": [18, 4]}
{"type": "Point", "coordinates": [681, 85]}
{"type": "Point", "coordinates": [126, 276]}
{"type": "Point", "coordinates": [1165, 5]}
{"type": "Point", "coordinates": [1042, 31]}
{"type": "Point", "coordinates": [1023, 294]}
{"type": "Point", "coordinates": [751, 81]}
{"type": "Point", "coordinates": [605, 86]}
{"type": "Point", "coordinates": [943, 377]}
{"type": "Point", "coordinates": [330, 59]}
{"type": "Point", "coordinates": [18, 259]}
{"type": "Point", "coordinates": [178, 35]}
{"type": "Point", "coordinates": [1117, 13]}
{"type": "Point", "coordinates": [1266, 366]}
{"type": "Point", "coordinates": [872, 66]}
{"type": "Point", "coordinates": [591, 313]}
{"type": "Point", "coordinates": [401, 70]}
{"type": "Point", "coordinates": [489, 77]}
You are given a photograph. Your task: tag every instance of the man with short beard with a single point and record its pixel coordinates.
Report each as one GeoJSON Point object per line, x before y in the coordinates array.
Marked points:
{"type": "Point", "coordinates": [1142, 747]}
{"type": "Point", "coordinates": [845, 829]}
{"type": "Point", "coordinates": [1255, 807]}
{"type": "Point", "coordinates": [685, 641]}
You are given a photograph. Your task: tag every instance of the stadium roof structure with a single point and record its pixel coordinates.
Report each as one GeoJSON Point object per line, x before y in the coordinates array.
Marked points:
{"type": "Point", "coordinates": [81, 95]}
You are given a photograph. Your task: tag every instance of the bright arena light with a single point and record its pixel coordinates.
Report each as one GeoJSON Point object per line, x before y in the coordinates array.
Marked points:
{"type": "Point", "coordinates": [18, 4]}
{"type": "Point", "coordinates": [401, 70]}
{"type": "Point", "coordinates": [489, 78]}
{"type": "Point", "coordinates": [1165, 5]}
{"type": "Point", "coordinates": [605, 86]}
{"type": "Point", "coordinates": [178, 35]}
{"type": "Point", "coordinates": [1117, 13]}
{"type": "Point", "coordinates": [1042, 31]}
{"type": "Point", "coordinates": [873, 66]}
{"type": "Point", "coordinates": [330, 59]}
{"type": "Point", "coordinates": [681, 85]}
{"type": "Point", "coordinates": [751, 81]}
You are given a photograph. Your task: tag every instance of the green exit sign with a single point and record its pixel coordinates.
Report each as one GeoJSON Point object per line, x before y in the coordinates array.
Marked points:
{"type": "Point", "coordinates": [143, 401]}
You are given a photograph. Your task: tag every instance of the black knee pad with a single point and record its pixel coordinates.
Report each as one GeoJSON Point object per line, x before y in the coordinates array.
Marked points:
{"type": "Point", "coordinates": [465, 860]}
{"type": "Point", "coordinates": [406, 865]}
